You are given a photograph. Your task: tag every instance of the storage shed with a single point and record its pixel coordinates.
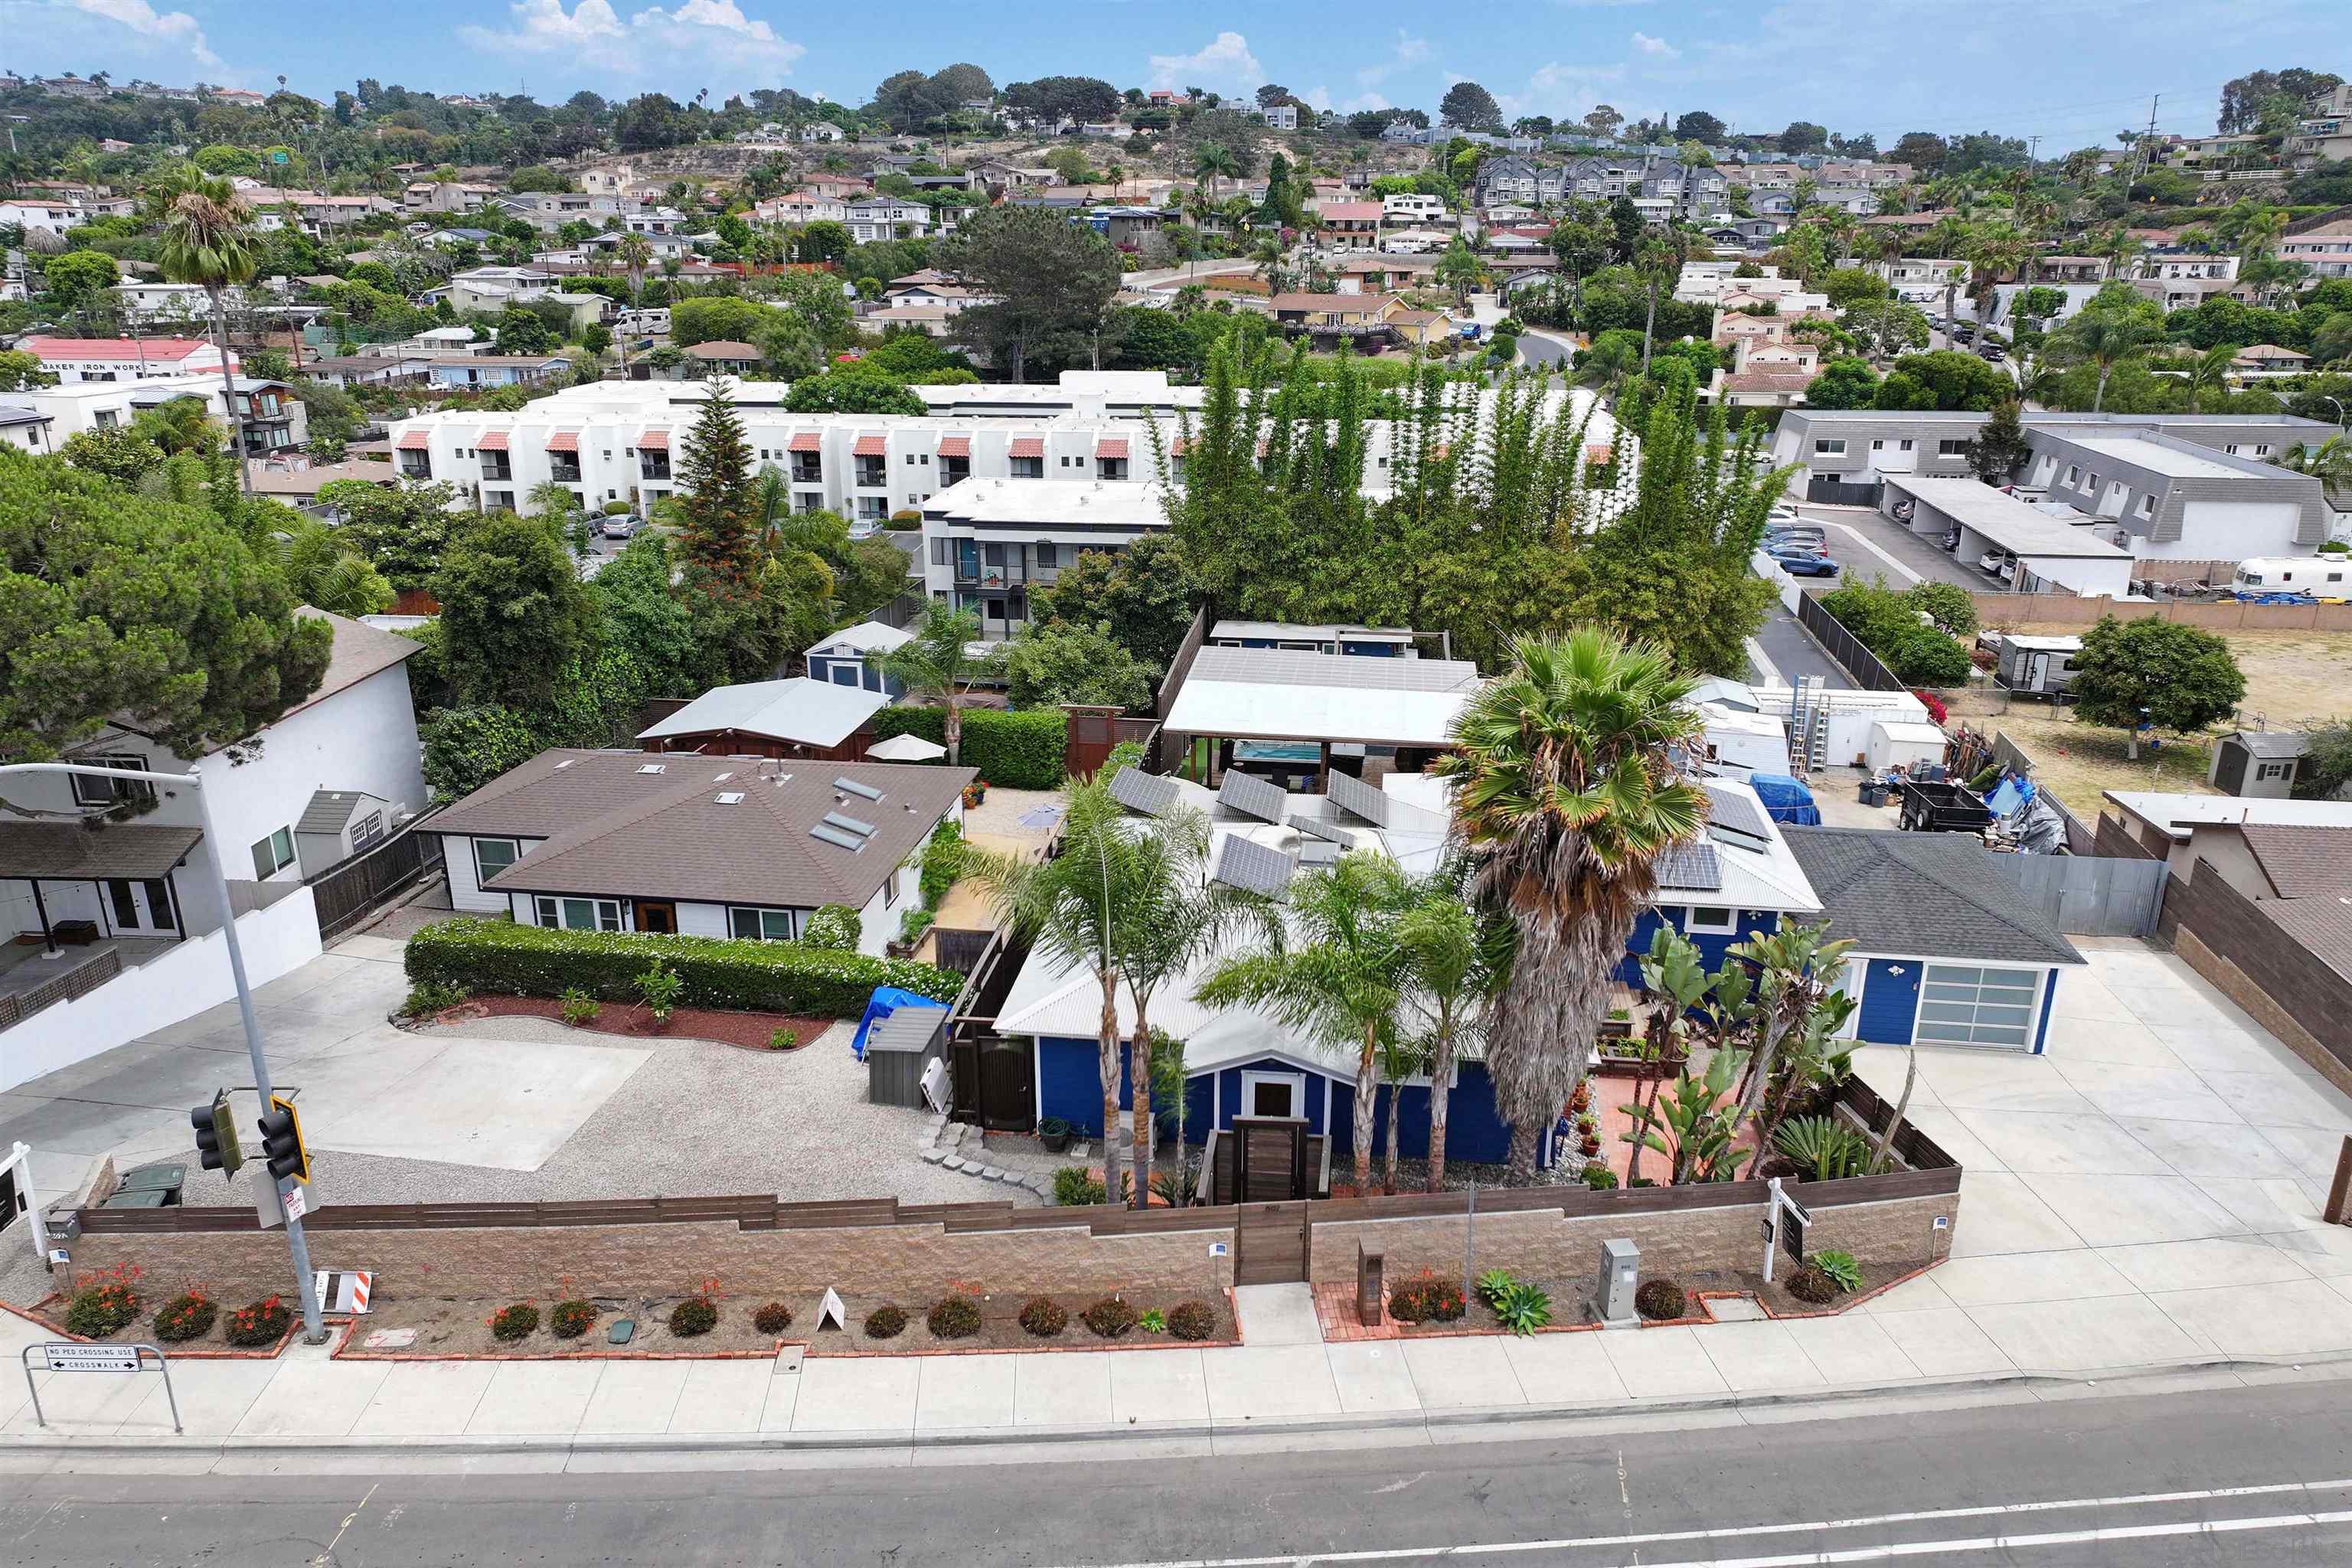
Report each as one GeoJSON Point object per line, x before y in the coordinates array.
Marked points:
{"type": "Point", "coordinates": [899, 1049]}
{"type": "Point", "coordinates": [2257, 765]}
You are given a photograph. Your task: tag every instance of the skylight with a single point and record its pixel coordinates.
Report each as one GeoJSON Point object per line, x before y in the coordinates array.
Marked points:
{"type": "Point", "coordinates": [865, 792]}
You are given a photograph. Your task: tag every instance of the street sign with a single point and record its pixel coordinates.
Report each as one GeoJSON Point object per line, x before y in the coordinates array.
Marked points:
{"type": "Point", "coordinates": [297, 1206]}
{"type": "Point", "coordinates": [832, 1310]}
{"type": "Point", "coordinates": [91, 1358]}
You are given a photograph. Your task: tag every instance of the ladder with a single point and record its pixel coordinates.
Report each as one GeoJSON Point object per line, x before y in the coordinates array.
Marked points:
{"type": "Point", "coordinates": [1808, 726]}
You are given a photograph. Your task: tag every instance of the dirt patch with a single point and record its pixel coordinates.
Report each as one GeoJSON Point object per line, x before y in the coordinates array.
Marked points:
{"type": "Point", "coordinates": [754, 1031]}
{"type": "Point", "coordinates": [444, 1328]}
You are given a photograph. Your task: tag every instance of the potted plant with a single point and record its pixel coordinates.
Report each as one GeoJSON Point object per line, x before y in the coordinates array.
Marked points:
{"type": "Point", "coordinates": [1055, 1134]}
{"type": "Point", "coordinates": [975, 792]}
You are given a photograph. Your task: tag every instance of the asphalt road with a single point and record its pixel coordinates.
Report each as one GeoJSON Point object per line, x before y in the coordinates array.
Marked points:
{"type": "Point", "coordinates": [2243, 1475]}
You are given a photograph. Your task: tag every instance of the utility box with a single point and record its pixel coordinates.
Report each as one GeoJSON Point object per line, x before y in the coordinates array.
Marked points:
{"type": "Point", "coordinates": [1621, 1274]}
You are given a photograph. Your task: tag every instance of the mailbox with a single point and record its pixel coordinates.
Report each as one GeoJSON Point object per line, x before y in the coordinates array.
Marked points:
{"type": "Point", "coordinates": [1621, 1273]}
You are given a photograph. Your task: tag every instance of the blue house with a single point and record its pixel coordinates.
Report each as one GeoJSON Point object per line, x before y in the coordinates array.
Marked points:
{"type": "Point", "coordinates": [495, 370]}
{"type": "Point", "coordinates": [1947, 951]}
{"type": "Point", "coordinates": [1736, 881]}
{"type": "Point", "coordinates": [848, 656]}
{"type": "Point", "coordinates": [1369, 642]}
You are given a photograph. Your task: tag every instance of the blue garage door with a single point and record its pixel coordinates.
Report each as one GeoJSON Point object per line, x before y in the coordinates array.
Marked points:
{"type": "Point", "coordinates": [1890, 1001]}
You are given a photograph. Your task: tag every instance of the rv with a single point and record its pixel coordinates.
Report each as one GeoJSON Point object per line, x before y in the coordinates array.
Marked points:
{"type": "Point", "coordinates": [2034, 667]}
{"type": "Point", "coordinates": [2323, 576]}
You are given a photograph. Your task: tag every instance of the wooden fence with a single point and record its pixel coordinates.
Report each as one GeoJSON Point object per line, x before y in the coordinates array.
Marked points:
{"type": "Point", "coordinates": [2291, 990]}
{"type": "Point", "coordinates": [348, 893]}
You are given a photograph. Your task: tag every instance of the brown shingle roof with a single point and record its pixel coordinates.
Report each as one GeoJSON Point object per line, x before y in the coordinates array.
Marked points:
{"type": "Point", "coordinates": [2302, 862]}
{"type": "Point", "coordinates": [66, 852]}
{"type": "Point", "coordinates": [614, 831]}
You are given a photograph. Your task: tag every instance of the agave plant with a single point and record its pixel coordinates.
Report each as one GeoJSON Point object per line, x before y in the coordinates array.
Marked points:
{"type": "Point", "coordinates": [1825, 1147]}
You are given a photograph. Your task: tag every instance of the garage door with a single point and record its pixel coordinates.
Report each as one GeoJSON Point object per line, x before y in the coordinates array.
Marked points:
{"type": "Point", "coordinates": [1962, 1004]}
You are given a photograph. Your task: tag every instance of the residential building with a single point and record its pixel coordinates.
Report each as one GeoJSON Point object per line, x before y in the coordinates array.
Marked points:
{"type": "Point", "coordinates": [987, 541]}
{"type": "Point", "coordinates": [2169, 827]}
{"type": "Point", "coordinates": [1278, 116]}
{"type": "Point", "coordinates": [495, 370]}
{"type": "Point", "coordinates": [717, 846]}
{"type": "Point", "coordinates": [39, 212]}
{"type": "Point", "coordinates": [28, 429]}
{"type": "Point", "coordinates": [2324, 133]}
{"type": "Point", "coordinates": [445, 196]}
{"type": "Point", "coordinates": [1351, 225]}
{"type": "Point", "coordinates": [799, 207]}
{"type": "Point", "coordinates": [72, 359]}
{"type": "Point", "coordinates": [2324, 244]}
{"type": "Point", "coordinates": [275, 420]}
{"type": "Point", "coordinates": [887, 218]}
{"type": "Point", "coordinates": [366, 370]}
{"type": "Point", "coordinates": [548, 211]}
{"type": "Point", "coordinates": [1920, 279]}
{"type": "Point", "coordinates": [803, 717]}
{"type": "Point", "coordinates": [2016, 546]}
{"type": "Point", "coordinates": [851, 656]}
{"type": "Point", "coordinates": [157, 304]}
{"type": "Point", "coordinates": [1327, 320]}
{"type": "Point", "coordinates": [2269, 359]}
{"type": "Point", "coordinates": [721, 357]}
{"type": "Point", "coordinates": [2171, 266]}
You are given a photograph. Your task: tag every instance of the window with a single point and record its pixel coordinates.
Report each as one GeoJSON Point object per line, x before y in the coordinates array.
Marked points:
{"type": "Point", "coordinates": [2072, 474]}
{"type": "Point", "coordinates": [2266, 772]}
{"type": "Point", "coordinates": [367, 830]}
{"type": "Point", "coordinates": [2148, 506]}
{"type": "Point", "coordinates": [1830, 446]}
{"type": "Point", "coordinates": [1710, 920]}
{"type": "Point", "coordinates": [2091, 483]}
{"type": "Point", "coordinates": [1046, 554]}
{"type": "Point", "coordinates": [2262, 448]}
{"type": "Point", "coordinates": [1281, 1095]}
{"type": "Point", "coordinates": [1952, 448]}
{"type": "Point", "coordinates": [109, 792]}
{"type": "Point", "coordinates": [1961, 1004]}
{"type": "Point", "coordinates": [1028, 468]}
{"type": "Point", "coordinates": [995, 609]}
{"type": "Point", "coordinates": [492, 856]}
{"type": "Point", "coordinates": [273, 853]}
{"type": "Point", "coordinates": [760, 925]}
{"type": "Point", "coordinates": [580, 914]}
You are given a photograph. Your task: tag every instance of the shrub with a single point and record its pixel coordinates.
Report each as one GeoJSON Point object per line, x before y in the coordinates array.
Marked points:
{"type": "Point", "coordinates": [1493, 1284]}
{"type": "Point", "coordinates": [1660, 1300]}
{"type": "Point", "coordinates": [953, 1318]}
{"type": "Point", "coordinates": [105, 1307]}
{"type": "Point", "coordinates": [694, 1317]}
{"type": "Point", "coordinates": [1427, 1299]}
{"type": "Point", "coordinates": [185, 1318]}
{"type": "Point", "coordinates": [1153, 1321]}
{"type": "Point", "coordinates": [1073, 1188]}
{"type": "Point", "coordinates": [773, 1319]}
{"type": "Point", "coordinates": [834, 928]}
{"type": "Point", "coordinates": [1191, 1321]}
{"type": "Point", "coordinates": [1813, 1285]}
{"type": "Point", "coordinates": [579, 1008]}
{"type": "Point", "coordinates": [1823, 1147]}
{"type": "Point", "coordinates": [1841, 1267]}
{"type": "Point", "coordinates": [617, 509]}
{"type": "Point", "coordinates": [570, 1320]}
{"type": "Point", "coordinates": [1934, 704]}
{"type": "Point", "coordinates": [1523, 1308]}
{"type": "Point", "coordinates": [1600, 1177]}
{"type": "Point", "coordinates": [1109, 1317]}
{"type": "Point", "coordinates": [1019, 751]}
{"type": "Point", "coordinates": [660, 989]}
{"type": "Point", "coordinates": [914, 923]}
{"type": "Point", "coordinates": [264, 1323]}
{"type": "Point", "coordinates": [514, 1322]}
{"type": "Point", "coordinates": [1044, 1317]}
{"type": "Point", "coordinates": [782, 1039]}
{"type": "Point", "coordinates": [427, 997]}
{"type": "Point", "coordinates": [503, 958]}
{"type": "Point", "coordinates": [885, 1323]}
{"type": "Point", "coordinates": [941, 862]}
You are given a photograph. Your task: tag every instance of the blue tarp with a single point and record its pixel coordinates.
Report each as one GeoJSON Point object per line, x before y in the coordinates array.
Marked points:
{"type": "Point", "coordinates": [1786, 799]}
{"type": "Point", "coordinates": [886, 1000]}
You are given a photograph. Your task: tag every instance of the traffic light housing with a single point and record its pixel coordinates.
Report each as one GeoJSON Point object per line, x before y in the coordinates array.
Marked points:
{"type": "Point", "coordinates": [282, 1141]}
{"type": "Point", "coordinates": [217, 1148]}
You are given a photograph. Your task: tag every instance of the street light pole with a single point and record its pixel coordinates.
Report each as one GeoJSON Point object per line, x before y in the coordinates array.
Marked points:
{"type": "Point", "coordinates": [313, 1332]}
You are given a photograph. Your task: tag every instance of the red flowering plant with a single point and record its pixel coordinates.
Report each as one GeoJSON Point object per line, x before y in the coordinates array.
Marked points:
{"type": "Point", "coordinates": [262, 1324]}
{"type": "Point", "coordinates": [106, 1307]}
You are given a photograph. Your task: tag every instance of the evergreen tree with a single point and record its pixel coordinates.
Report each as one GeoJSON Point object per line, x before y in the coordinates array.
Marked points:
{"type": "Point", "coordinates": [717, 524]}
{"type": "Point", "coordinates": [2000, 448]}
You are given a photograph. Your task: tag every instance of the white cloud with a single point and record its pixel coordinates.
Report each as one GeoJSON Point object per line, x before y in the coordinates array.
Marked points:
{"type": "Point", "coordinates": [1562, 92]}
{"type": "Point", "coordinates": [1409, 50]}
{"type": "Point", "coordinates": [706, 32]}
{"type": "Point", "coordinates": [175, 27]}
{"type": "Point", "coordinates": [1224, 61]}
{"type": "Point", "coordinates": [1658, 46]}
{"type": "Point", "coordinates": [1364, 100]}
{"type": "Point", "coordinates": [1319, 98]}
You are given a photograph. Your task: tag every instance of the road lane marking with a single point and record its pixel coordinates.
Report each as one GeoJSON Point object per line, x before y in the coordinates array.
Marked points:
{"type": "Point", "coordinates": [1850, 1555]}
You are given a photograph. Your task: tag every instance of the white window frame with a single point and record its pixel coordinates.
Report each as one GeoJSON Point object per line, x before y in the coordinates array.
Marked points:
{"type": "Point", "coordinates": [1949, 448]}
{"type": "Point", "coordinates": [1251, 1077]}
{"type": "Point", "coordinates": [1693, 926]}
{"type": "Point", "coordinates": [88, 791]}
{"type": "Point", "coordinates": [280, 854]}
{"type": "Point", "coordinates": [1829, 446]}
{"type": "Point", "coordinates": [482, 876]}
{"type": "Point", "coordinates": [549, 909]}
{"type": "Point", "coordinates": [792, 922]}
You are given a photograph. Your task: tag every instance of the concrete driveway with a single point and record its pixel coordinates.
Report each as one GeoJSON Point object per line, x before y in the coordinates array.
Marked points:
{"type": "Point", "coordinates": [2149, 1191]}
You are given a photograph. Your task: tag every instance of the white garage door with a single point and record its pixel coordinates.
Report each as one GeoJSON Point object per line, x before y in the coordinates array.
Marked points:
{"type": "Point", "coordinates": [1962, 1004]}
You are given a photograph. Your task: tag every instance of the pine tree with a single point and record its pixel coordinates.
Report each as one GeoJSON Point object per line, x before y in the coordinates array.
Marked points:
{"type": "Point", "coordinates": [718, 526]}
{"type": "Point", "coordinates": [1999, 447]}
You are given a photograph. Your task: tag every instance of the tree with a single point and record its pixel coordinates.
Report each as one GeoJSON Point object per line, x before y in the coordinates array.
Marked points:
{"type": "Point", "coordinates": [1699, 125]}
{"type": "Point", "coordinates": [1139, 593]}
{"type": "Point", "coordinates": [1923, 150]}
{"type": "Point", "coordinates": [719, 317]}
{"type": "Point", "coordinates": [938, 664]}
{"type": "Point", "coordinates": [2328, 462]}
{"type": "Point", "coordinates": [1054, 281]}
{"type": "Point", "coordinates": [1948, 605]}
{"type": "Point", "coordinates": [21, 371]}
{"type": "Point", "coordinates": [323, 569]}
{"type": "Point", "coordinates": [1566, 795]}
{"type": "Point", "coordinates": [1804, 136]}
{"type": "Point", "coordinates": [2102, 338]}
{"type": "Point", "coordinates": [79, 277]}
{"type": "Point", "coordinates": [2243, 98]}
{"type": "Point", "coordinates": [1059, 662]}
{"type": "Point", "coordinates": [521, 332]}
{"type": "Point", "coordinates": [1846, 383]}
{"type": "Point", "coordinates": [404, 531]}
{"type": "Point", "coordinates": [1602, 122]}
{"type": "Point", "coordinates": [2000, 447]}
{"type": "Point", "coordinates": [2167, 675]}
{"type": "Point", "coordinates": [1212, 162]}
{"type": "Point", "coordinates": [513, 614]}
{"type": "Point", "coordinates": [853, 389]}
{"type": "Point", "coordinates": [1945, 379]}
{"type": "Point", "coordinates": [1334, 974]}
{"type": "Point", "coordinates": [120, 453]}
{"type": "Point", "coordinates": [206, 241]}
{"type": "Point", "coordinates": [1453, 960]}
{"type": "Point", "coordinates": [465, 748]}
{"type": "Point", "coordinates": [1887, 328]}
{"type": "Point", "coordinates": [119, 603]}
{"type": "Point", "coordinates": [1466, 106]}
{"type": "Point", "coordinates": [717, 542]}
{"type": "Point", "coordinates": [1459, 270]}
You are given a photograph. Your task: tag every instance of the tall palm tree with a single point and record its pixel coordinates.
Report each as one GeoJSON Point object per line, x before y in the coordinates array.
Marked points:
{"type": "Point", "coordinates": [2328, 462]}
{"type": "Point", "coordinates": [1212, 162]}
{"type": "Point", "coordinates": [1657, 260]}
{"type": "Point", "coordinates": [2210, 372]}
{"type": "Point", "coordinates": [939, 664]}
{"type": "Point", "coordinates": [1453, 961]}
{"type": "Point", "coordinates": [1335, 977]}
{"type": "Point", "coordinates": [208, 241]}
{"type": "Point", "coordinates": [1071, 909]}
{"type": "Point", "coordinates": [1567, 796]}
{"type": "Point", "coordinates": [2115, 246]}
{"type": "Point", "coordinates": [2103, 338]}
{"type": "Point", "coordinates": [324, 572]}
{"type": "Point", "coordinates": [635, 253]}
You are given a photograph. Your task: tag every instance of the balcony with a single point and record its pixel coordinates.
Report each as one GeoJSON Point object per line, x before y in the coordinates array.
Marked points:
{"type": "Point", "coordinates": [563, 470]}
{"type": "Point", "coordinates": [415, 466]}
{"type": "Point", "coordinates": [653, 465]}
{"type": "Point", "coordinates": [873, 473]}
{"type": "Point", "coordinates": [496, 468]}
{"type": "Point", "coordinates": [807, 468]}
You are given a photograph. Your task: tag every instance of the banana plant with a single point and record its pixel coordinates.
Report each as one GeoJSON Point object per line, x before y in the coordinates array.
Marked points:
{"type": "Point", "coordinates": [1698, 1121]}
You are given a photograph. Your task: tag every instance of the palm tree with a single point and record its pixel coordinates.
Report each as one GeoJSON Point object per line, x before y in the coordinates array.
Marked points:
{"type": "Point", "coordinates": [1267, 254]}
{"type": "Point", "coordinates": [2116, 245]}
{"type": "Point", "coordinates": [324, 572]}
{"type": "Point", "coordinates": [1452, 962]}
{"type": "Point", "coordinates": [2103, 338]}
{"type": "Point", "coordinates": [1657, 260]}
{"type": "Point", "coordinates": [1071, 908]}
{"type": "Point", "coordinates": [939, 664]}
{"type": "Point", "coordinates": [1213, 162]}
{"type": "Point", "coordinates": [2329, 462]}
{"type": "Point", "coordinates": [2210, 372]}
{"type": "Point", "coordinates": [1458, 269]}
{"type": "Point", "coordinates": [1401, 1059]}
{"type": "Point", "coordinates": [1336, 977]}
{"type": "Point", "coordinates": [206, 241]}
{"type": "Point", "coordinates": [636, 253]}
{"type": "Point", "coordinates": [1567, 795]}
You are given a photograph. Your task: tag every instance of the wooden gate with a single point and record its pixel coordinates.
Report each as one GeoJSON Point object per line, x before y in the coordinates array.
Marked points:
{"type": "Point", "coordinates": [1271, 1160]}
{"type": "Point", "coordinates": [1007, 1088]}
{"type": "Point", "coordinates": [1272, 1243]}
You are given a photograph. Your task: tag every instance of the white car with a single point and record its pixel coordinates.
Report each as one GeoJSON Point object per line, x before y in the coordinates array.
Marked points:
{"type": "Point", "coordinates": [620, 526]}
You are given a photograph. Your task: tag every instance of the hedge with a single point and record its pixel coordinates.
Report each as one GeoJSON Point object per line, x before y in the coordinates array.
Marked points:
{"type": "Point", "coordinates": [500, 957]}
{"type": "Point", "coordinates": [1019, 751]}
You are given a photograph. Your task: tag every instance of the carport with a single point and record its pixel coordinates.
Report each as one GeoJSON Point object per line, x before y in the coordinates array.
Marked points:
{"type": "Point", "coordinates": [2036, 552]}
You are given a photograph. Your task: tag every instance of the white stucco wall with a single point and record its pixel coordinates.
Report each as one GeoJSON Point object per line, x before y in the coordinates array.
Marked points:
{"type": "Point", "coordinates": [2103, 578]}
{"type": "Point", "coordinates": [2229, 531]}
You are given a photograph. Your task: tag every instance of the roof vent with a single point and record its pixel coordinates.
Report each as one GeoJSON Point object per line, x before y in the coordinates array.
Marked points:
{"type": "Point", "coordinates": [729, 797]}
{"type": "Point", "coordinates": [653, 768]}
{"type": "Point", "coordinates": [565, 763]}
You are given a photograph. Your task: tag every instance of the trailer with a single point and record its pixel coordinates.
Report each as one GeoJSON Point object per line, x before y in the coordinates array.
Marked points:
{"type": "Point", "coordinates": [1942, 807]}
{"type": "Point", "coordinates": [2035, 666]}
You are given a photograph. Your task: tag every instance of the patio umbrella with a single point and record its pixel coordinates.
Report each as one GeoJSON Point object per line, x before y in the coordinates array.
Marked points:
{"type": "Point", "coordinates": [905, 749]}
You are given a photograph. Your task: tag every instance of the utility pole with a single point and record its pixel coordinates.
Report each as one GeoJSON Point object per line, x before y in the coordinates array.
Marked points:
{"type": "Point", "coordinates": [2147, 143]}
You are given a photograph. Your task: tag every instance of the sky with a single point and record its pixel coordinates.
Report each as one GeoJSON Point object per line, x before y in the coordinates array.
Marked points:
{"type": "Point", "coordinates": [2072, 72]}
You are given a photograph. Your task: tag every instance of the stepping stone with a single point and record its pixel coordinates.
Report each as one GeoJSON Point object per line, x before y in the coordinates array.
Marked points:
{"type": "Point", "coordinates": [1080, 1150]}
{"type": "Point", "coordinates": [952, 1162]}
{"type": "Point", "coordinates": [990, 1174]}
{"type": "Point", "coordinates": [934, 1156]}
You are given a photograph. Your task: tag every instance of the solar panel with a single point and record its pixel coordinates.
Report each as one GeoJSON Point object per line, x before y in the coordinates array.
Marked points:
{"type": "Point", "coordinates": [1352, 795]}
{"type": "Point", "coordinates": [1154, 795]}
{"type": "Point", "coordinates": [1317, 852]}
{"type": "Point", "coordinates": [848, 825]}
{"type": "Point", "coordinates": [1736, 813]}
{"type": "Point", "coordinates": [1318, 827]}
{"type": "Point", "coordinates": [1252, 796]}
{"type": "Point", "coordinates": [1253, 868]}
{"type": "Point", "coordinates": [853, 787]}
{"type": "Point", "coordinates": [1691, 866]}
{"type": "Point", "coordinates": [837, 838]}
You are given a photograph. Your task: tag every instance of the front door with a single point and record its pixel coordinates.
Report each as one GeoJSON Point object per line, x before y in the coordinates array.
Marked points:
{"type": "Point", "coordinates": [659, 920]}
{"type": "Point", "coordinates": [138, 908]}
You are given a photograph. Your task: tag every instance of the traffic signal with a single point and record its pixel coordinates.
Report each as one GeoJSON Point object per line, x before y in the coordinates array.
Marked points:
{"type": "Point", "coordinates": [217, 1146]}
{"type": "Point", "coordinates": [282, 1141]}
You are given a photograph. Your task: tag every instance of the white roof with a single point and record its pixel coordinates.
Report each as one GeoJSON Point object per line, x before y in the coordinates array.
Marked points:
{"type": "Point", "coordinates": [811, 712]}
{"type": "Point", "coordinates": [865, 636]}
{"type": "Point", "coordinates": [1246, 693]}
{"type": "Point", "coordinates": [1049, 503]}
{"type": "Point", "coordinates": [2006, 521]}
{"type": "Point", "coordinates": [2177, 814]}
{"type": "Point", "coordinates": [2163, 458]}
{"type": "Point", "coordinates": [1755, 876]}
{"type": "Point", "coordinates": [2042, 644]}
{"type": "Point", "coordinates": [1905, 730]}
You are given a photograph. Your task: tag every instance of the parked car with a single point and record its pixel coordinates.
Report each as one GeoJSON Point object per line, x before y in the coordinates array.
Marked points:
{"type": "Point", "coordinates": [620, 526]}
{"type": "Point", "coordinates": [1963, 335]}
{"type": "Point", "coordinates": [1803, 563]}
{"type": "Point", "coordinates": [1796, 547]}
{"type": "Point", "coordinates": [1992, 354]}
{"type": "Point", "coordinates": [1774, 538]}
